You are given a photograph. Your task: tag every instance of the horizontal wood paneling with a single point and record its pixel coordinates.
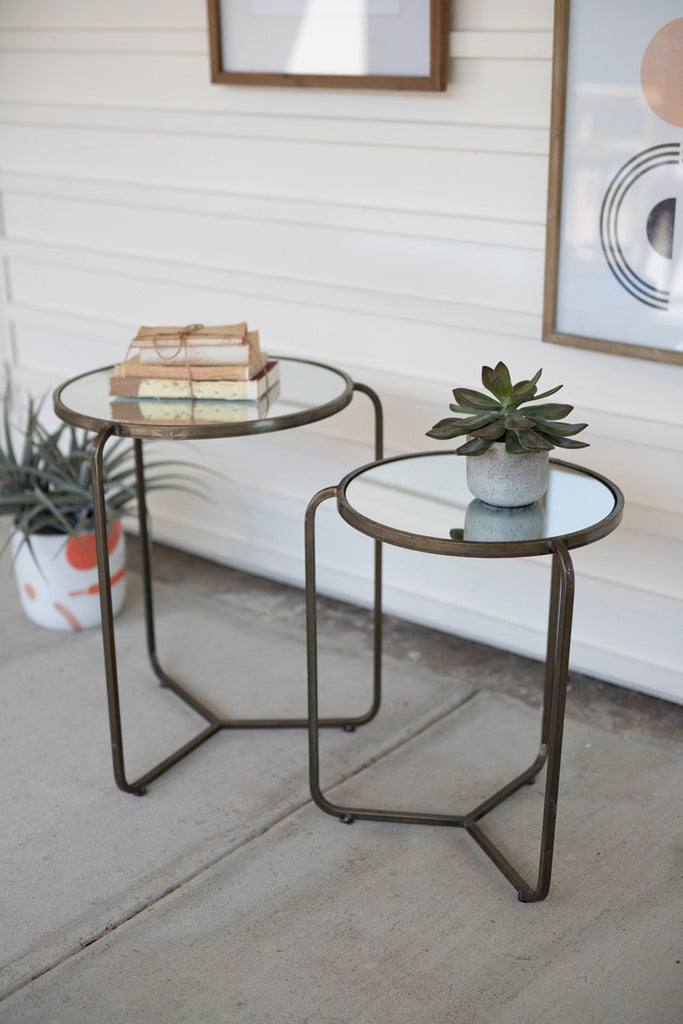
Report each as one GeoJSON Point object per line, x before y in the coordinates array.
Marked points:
{"type": "Point", "coordinates": [398, 236]}
{"type": "Point", "coordinates": [160, 15]}
{"type": "Point", "coordinates": [133, 198]}
{"type": "Point", "coordinates": [464, 45]}
{"type": "Point", "coordinates": [112, 285]}
{"type": "Point", "coordinates": [434, 269]}
{"type": "Point", "coordinates": [124, 14]}
{"type": "Point", "coordinates": [357, 130]}
{"type": "Point", "coordinates": [401, 177]}
{"type": "Point", "coordinates": [182, 84]}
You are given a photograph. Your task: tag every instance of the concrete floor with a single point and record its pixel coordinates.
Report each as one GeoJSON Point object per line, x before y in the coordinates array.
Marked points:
{"type": "Point", "coordinates": [225, 895]}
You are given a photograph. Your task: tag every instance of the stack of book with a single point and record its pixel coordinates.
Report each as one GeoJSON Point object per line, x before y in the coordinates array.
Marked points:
{"type": "Point", "coordinates": [193, 364]}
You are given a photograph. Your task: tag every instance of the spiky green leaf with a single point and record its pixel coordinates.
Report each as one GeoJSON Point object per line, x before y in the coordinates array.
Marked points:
{"type": "Point", "coordinates": [47, 484]}
{"type": "Point", "coordinates": [477, 446]}
{"type": "Point", "coordinates": [513, 443]}
{"type": "Point", "coordinates": [560, 429]}
{"type": "Point", "coordinates": [548, 411]}
{"type": "Point", "coordinates": [446, 429]}
{"type": "Point", "coordinates": [534, 442]}
{"type": "Point", "coordinates": [568, 442]}
{"type": "Point", "coordinates": [526, 387]}
{"type": "Point", "coordinates": [474, 399]}
{"type": "Point", "coordinates": [480, 419]}
{"type": "Point", "coordinates": [545, 394]}
{"type": "Point", "coordinates": [492, 431]}
{"type": "Point", "coordinates": [501, 385]}
{"type": "Point", "coordinates": [470, 410]}
{"type": "Point", "coordinates": [518, 421]}
{"type": "Point", "coordinates": [487, 376]}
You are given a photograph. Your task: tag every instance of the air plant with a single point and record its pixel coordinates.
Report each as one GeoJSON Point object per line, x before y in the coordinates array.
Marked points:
{"type": "Point", "coordinates": [45, 482]}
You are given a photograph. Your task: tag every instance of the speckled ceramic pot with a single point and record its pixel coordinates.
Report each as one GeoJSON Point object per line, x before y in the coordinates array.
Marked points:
{"type": "Point", "coordinates": [484, 522]}
{"type": "Point", "coordinates": [508, 481]}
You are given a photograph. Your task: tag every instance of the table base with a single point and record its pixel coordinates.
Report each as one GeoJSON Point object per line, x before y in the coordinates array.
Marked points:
{"type": "Point", "coordinates": [214, 722]}
{"type": "Point", "coordinates": [552, 724]}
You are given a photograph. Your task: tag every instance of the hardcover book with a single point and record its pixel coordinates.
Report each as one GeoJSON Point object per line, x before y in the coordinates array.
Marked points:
{"type": "Point", "coordinates": [196, 342]}
{"type": "Point", "coordinates": [191, 410]}
{"type": "Point", "coordinates": [149, 386]}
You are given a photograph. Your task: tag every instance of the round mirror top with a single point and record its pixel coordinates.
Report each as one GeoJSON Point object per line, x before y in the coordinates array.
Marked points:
{"type": "Point", "coordinates": [300, 392]}
{"type": "Point", "coordinates": [422, 502]}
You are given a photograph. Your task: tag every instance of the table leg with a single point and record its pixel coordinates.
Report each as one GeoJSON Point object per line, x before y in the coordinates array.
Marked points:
{"type": "Point", "coordinates": [379, 417]}
{"type": "Point", "coordinates": [138, 786]}
{"type": "Point", "coordinates": [557, 663]}
{"type": "Point", "coordinates": [552, 728]}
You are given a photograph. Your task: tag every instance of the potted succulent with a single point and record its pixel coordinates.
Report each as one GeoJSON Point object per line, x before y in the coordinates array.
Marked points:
{"type": "Point", "coordinates": [509, 439]}
{"type": "Point", "coordinates": [45, 487]}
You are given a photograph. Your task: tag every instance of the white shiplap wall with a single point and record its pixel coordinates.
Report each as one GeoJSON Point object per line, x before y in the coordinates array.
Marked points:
{"type": "Point", "coordinates": [399, 236]}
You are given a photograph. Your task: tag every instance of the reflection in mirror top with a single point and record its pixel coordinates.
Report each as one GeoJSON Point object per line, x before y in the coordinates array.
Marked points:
{"type": "Point", "coordinates": [303, 387]}
{"type": "Point", "coordinates": [427, 495]}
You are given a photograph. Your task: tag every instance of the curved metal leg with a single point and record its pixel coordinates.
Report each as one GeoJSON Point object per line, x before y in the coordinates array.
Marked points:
{"type": "Point", "coordinates": [379, 417]}
{"type": "Point", "coordinates": [557, 668]}
{"type": "Point", "coordinates": [104, 577]}
{"type": "Point", "coordinates": [214, 722]}
{"type": "Point", "coordinates": [146, 566]}
{"type": "Point", "coordinates": [557, 665]}
{"type": "Point", "coordinates": [312, 646]}
{"type": "Point", "coordinates": [145, 557]}
{"type": "Point", "coordinates": [100, 517]}
{"type": "Point", "coordinates": [377, 591]}
{"type": "Point", "coordinates": [349, 723]}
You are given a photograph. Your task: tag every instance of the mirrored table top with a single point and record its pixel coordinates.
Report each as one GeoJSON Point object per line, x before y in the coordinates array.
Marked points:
{"type": "Point", "coordinates": [305, 392]}
{"type": "Point", "coordinates": [421, 501]}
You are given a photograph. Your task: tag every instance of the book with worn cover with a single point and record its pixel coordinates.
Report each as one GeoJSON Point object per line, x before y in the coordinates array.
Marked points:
{"type": "Point", "coordinates": [191, 410]}
{"type": "Point", "coordinates": [214, 354]}
{"type": "Point", "coordinates": [181, 387]}
{"type": "Point", "coordinates": [133, 367]}
{"type": "Point", "coordinates": [231, 343]}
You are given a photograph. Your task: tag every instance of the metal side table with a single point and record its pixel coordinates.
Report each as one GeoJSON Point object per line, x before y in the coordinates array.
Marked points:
{"type": "Point", "coordinates": [421, 502]}
{"type": "Point", "coordinates": [307, 392]}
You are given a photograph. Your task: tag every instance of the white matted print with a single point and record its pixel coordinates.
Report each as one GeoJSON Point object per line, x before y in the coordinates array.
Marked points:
{"type": "Point", "coordinates": [614, 270]}
{"type": "Point", "coordinates": [296, 8]}
{"type": "Point", "coordinates": [399, 44]}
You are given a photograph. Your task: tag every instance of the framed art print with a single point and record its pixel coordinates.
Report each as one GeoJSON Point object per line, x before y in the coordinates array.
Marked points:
{"type": "Point", "coordinates": [351, 44]}
{"type": "Point", "coordinates": [614, 254]}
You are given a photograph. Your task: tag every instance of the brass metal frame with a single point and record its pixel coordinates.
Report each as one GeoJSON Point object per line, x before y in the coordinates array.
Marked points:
{"type": "Point", "coordinates": [108, 429]}
{"type": "Point", "coordinates": [556, 669]}
{"type": "Point", "coordinates": [202, 431]}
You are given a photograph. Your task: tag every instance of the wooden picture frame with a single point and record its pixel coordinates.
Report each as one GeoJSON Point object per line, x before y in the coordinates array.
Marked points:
{"type": "Point", "coordinates": [613, 273]}
{"type": "Point", "coordinates": [339, 44]}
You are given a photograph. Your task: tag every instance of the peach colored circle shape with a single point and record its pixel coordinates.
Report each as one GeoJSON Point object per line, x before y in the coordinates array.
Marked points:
{"type": "Point", "coordinates": [661, 73]}
{"type": "Point", "coordinates": [81, 551]}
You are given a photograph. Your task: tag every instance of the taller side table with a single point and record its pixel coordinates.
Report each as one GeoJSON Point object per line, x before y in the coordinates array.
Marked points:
{"type": "Point", "coordinates": [307, 392]}
{"type": "Point", "coordinates": [421, 502]}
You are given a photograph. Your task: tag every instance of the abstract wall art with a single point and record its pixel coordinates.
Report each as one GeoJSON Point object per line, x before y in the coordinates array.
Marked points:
{"type": "Point", "coordinates": [614, 253]}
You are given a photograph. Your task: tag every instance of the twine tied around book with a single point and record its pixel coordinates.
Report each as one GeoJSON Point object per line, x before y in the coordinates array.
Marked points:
{"type": "Point", "coordinates": [180, 354]}
{"type": "Point", "coordinates": [156, 337]}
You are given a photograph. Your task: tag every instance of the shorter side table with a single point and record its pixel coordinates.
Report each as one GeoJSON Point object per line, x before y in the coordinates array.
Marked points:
{"type": "Point", "coordinates": [421, 502]}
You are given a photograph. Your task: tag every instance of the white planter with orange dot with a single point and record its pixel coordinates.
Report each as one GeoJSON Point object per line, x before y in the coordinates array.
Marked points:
{"type": "Point", "coordinates": [57, 577]}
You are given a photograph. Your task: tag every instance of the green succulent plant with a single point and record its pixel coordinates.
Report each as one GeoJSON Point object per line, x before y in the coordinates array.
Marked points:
{"type": "Point", "coordinates": [535, 428]}
{"type": "Point", "coordinates": [45, 483]}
